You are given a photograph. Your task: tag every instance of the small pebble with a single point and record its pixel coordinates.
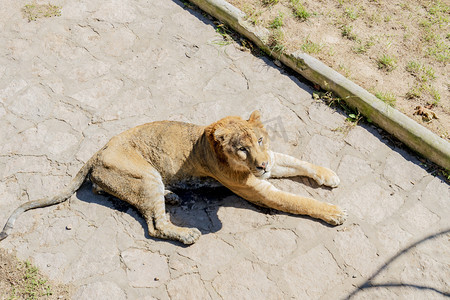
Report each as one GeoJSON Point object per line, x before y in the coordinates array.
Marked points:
{"type": "Point", "coordinates": [156, 279]}
{"type": "Point", "coordinates": [69, 227]}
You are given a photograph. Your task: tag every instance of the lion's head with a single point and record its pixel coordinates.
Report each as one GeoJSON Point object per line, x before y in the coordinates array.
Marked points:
{"type": "Point", "coordinates": [242, 144]}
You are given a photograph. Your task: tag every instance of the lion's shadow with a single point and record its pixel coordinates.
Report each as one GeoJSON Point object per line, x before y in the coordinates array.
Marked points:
{"type": "Point", "coordinates": [198, 208]}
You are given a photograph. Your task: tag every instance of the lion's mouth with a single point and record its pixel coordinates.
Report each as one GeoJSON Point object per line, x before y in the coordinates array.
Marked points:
{"type": "Point", "coordinates": [263, 174]}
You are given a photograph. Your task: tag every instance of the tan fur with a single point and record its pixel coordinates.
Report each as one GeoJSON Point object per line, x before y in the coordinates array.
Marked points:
{"type": "Point", "coordinates": [141, 164]}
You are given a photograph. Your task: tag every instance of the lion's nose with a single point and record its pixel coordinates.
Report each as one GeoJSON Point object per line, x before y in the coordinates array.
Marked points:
{"type": "Point", "coordinates": [262, 166]}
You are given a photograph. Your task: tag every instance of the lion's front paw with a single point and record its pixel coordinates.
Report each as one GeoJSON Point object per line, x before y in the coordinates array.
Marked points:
{"type": "Point", "coordinates": [336, 215]}
{"type": "Point", "coordinates": [172, 198]}
{"type": "Point", "coordinates": [190, 236]}
{"type": "Point", "coordinates": [325, 176]}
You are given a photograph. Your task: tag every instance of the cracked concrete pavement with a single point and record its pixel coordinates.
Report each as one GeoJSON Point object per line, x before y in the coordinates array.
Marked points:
{"type": "Point", "coordinates": [69, 83]}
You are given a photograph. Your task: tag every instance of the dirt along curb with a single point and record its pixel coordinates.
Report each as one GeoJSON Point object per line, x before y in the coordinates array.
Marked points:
{"type": "Point", "coordinates": [393, 121]}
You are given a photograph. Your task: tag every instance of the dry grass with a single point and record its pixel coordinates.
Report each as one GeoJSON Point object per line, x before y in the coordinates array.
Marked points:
{"type": "Point", "coordinates": [22, 280]}
{"type": "Point", "coordinates": [35, 11]}
{"type": "Point", "coordinates": [373, 42]}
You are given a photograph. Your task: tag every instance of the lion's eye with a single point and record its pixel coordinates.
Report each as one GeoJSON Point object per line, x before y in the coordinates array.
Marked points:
{"type": "Point", "coordinates": [260, 140]}
{"type": "Point", "coordinates": [243, 149]}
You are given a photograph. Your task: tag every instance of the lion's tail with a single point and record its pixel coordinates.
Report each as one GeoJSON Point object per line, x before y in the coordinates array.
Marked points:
{"type": "Point", "coordinates": [67, 192]}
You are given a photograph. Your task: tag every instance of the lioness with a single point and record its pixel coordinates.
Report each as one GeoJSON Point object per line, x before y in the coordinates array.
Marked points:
{"type": "Point", "coordinates": [142, 164]}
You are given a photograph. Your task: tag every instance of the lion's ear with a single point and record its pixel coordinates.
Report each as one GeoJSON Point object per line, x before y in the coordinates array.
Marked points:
{"type": "Point", "coordinates": [221, 134]}
{"type": "Point", "coordinates": [255, 116]}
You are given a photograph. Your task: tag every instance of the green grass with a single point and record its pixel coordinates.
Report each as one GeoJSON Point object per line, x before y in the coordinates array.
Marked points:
{"type": "Point", "coordinates": [445, 173]}
{"type": "Point", "coordinates": [387, 62]}
{"type": "Point", "coordinates": [269, 2]}
{"type": "Point", "coordinates": [438, 7]}
{"type": "Point", "coordinates": [277, 22]}
{"type": "Point", "coordinates": [252, 14]}
{"type": "Point", "coordinates": [440, 52]}
{"type": "Point", "coordinates": [33, 286]}
{"type": "Point", "coordinates": [414, 92]}
{"type": "Point", "coordinates": [353, 118]}
{"type": "Point", "coordinates": [276, 40]}
{"type": "Point", "coordinates": [425, 23]}
{"type": "Point", "coordinates": [299, 10]}
{"type": "Point", "coordinates": [438, 12]}
{"type": "Point", "coordinates": [310, 47]}
{"type": "Point", "coordinates": [223, 30]}
{"type": "Point", "coordinates": [434, 32]}
{"type": "Point", "coordinates": [347, 31]}
{"type": "Point", "coordinates": [421, 72]}
{"type": "Point", "coordinates": [353, 115]}
{"type": "Point", "coordinates": [429, 72]}
{"type": "Point", "coordinates": [374, 18]}
{"type": "Point", "coordinates": [413, 67]}
{"type": "Point", "coordinates": [363, 47]}
{"type": "Point", "coordinates": [436, 96]}
{"type": "Point", "coordinates": [405, 6]}
{"type": "Point", "coordinates": [424, 76]}
{"type": "Point", "coordinates": [360, 49]}
{"type": "Point", "coordinates": [418, 90]}
{"type": "Point", "coordinates": [350, 13]}
{"type": "Point", "coordinates": [386, 97]}
{"type": "Point", "coordinates": [431, 36]}
{"type": "Point", "coordinates": [433, 92]}
{"type": "Point", "coordinates": [35, 11]}
{"type": "Point", "coordinates": [347, 72]}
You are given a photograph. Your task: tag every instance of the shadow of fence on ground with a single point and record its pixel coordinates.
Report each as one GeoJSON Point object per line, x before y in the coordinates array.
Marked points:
{"type": "Point", "coordinates": [368, 284]}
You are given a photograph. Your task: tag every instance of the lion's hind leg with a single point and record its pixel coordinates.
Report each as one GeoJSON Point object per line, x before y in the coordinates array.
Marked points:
{"type": "Point", "coordinates": [165, 228]}
{"type": "Point", "coordinates": [138, 183]}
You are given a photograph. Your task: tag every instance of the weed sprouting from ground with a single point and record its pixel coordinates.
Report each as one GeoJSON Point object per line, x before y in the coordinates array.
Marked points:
{"type": "Point", "coordinates": [421, 72]}
{"type": "Point", "coordinates": [224, 32]}
{"type": "Point", "coordinates": [387, 97]}
{"type": "Point", "coordinates": [350, 13]}
{"type": "Point", "coordinates": [35, 11]}
{"type": "Point", "coordinates": [270, 2]}
{"type": "Point", "coordinates": [276, 40]}
{"type": "Point", "coordinates": [299, 10]}
{"type": "Point", "coordinates": [387, 62]}
{"type": "Point", "coordinates": [310, 47]}
{"type": "Point", "coordinates": [32, 286]}
{"type": "Point", "coordinates": [440, 51]}
{"type": "Point", "coordinates": [424, 76]}
{"type": "Point", "coordinates": [347, 31]}
{"type": "Point", "coordinates": [363, 47]}
{"type": "Point", "coordinates": [22, 280]}
{"type": "Point", "coordinates": [277, 22]}
{"type": "Point", "coordinates": [353, 115]}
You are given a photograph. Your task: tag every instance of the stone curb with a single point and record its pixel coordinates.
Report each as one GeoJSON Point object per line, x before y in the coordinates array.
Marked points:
{"type": "Point", "coordinates": [396, 123]}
